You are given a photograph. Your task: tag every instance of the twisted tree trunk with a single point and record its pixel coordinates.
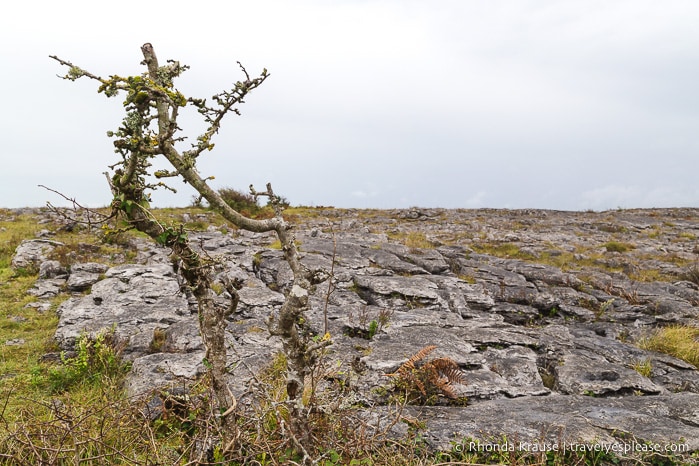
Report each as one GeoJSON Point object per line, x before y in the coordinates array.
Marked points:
{"type": "Point", "coordinates": [152, 98]}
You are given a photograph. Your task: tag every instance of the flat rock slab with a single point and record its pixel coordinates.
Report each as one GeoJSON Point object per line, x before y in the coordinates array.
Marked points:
{"type": "Point", "coordinates": [164, 370]}
{"type": "Point", "coordinates": [82, 276]}
{"type": "Point", "coordinates": [386, 290]}
{"type": "Point", "coordinates": [583, 373]}
{"type": "Point", "coordinates": [557, 419]}
{"type": "Point", "coordinates": [47, 288]}
{"type": "Point", "coordinates": [134, 299]}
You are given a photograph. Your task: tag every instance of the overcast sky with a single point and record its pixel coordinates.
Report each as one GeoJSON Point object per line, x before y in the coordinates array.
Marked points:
{"type": "Point", "coordinates": [566, 104]}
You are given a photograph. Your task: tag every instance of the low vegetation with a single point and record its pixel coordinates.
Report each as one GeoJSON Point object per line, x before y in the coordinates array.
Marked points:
{"type": "Point", "coordinates": [245, 203]}
{"type": "Point", "coordinates": [679, 341]}
{"type": "Point", "coordinates": [617, 246]}
{"type": "Point", "coordinates": [417, 240]}
{"type": "Point", "coordinates": [424, 381]}
{"type": "Point", "coordinates": [502, 249]}
{"type": "Point", "coordinates": [72, 408]}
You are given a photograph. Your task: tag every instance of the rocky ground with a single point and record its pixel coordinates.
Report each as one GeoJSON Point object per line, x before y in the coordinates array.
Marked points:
{"type": "Point", "coordinates": [540, 310]}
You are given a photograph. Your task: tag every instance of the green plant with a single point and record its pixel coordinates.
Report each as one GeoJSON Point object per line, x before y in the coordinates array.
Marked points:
{"type": "Point", "coordinates": [367, 328]}
{"type": "Point", "coordinates": [603, 308]}
{"type": "Point", "coordinates": [643, 367]}
{"type": "Point", "coordinates": [373, 328]}
{"type": "Point", "coordinates": [158, 340]}
{"type": "Point", "coordinates": [97, 359]}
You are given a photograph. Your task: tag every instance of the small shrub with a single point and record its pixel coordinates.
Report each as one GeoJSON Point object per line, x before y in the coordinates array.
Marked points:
{"type": "Point", "coordinates": [547, 379]}
{"type": "Point", "coordinates": [245, 204]}
{"type": "Point", "coordinates": [283, 202]}
{"type": "Point", "coordinates": [158, 340]}
{"type": "Point", "coordinates": [97, 358]}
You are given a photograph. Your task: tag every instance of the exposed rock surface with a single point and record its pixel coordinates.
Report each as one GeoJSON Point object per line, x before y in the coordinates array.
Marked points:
{"type": "Point", "coordinates": [544, 337]}
{"type": "Point", "coordinates": [32, 252]}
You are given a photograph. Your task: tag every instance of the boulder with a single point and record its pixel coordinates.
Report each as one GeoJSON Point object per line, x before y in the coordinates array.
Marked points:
{"type": "Point", "coordinates": [32, 252]}
{"type": "Point", "coordinates": [82, 276]}
{"type": "Point", "coordinates": [51, 269]}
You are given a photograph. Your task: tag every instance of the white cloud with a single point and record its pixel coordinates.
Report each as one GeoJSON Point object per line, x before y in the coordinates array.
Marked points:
{"type": "Point", "coordinates": [365, 193]}
{"type": "Point", "coordinates": [476, 200]}
{"type": "Point", "coordinates": [609, 197]}
{"type": "Point", "coordinates": [614, 196]}
{"type": "Point", "coordinates": [576, 104]}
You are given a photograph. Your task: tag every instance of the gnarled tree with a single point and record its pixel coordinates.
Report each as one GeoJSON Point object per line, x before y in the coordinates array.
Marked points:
{"type": "Point", "coordinates": [150, 129]}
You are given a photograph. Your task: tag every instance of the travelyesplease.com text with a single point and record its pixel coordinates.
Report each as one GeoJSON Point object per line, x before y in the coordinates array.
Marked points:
{"type": "Point", "coordinates": [539, 447]}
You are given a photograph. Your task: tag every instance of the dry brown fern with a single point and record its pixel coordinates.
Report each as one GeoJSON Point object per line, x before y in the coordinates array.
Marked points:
{"type": "Point", "coordinates": [409, 365]}
{"type": "Point", "coordinates": [444, 372]}
{"type": "Point", "coordinates": [423, 380]}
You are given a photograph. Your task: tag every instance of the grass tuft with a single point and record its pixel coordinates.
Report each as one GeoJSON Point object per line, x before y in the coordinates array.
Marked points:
{"type": "Point", "coordinates": [418, 240]}
{"type": "Point", "coordinates": [680, 341]}
{"type": "Point", "coordinates": [616, 246]}
{"type": "Point", "coordinates": [643, 367]}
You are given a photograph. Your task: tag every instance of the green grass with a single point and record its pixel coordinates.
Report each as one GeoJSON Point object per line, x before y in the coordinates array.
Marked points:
{"type": "Point", "coordinates": [617, 246]}
{"type": "Point", "coordinates": [97, 362]}
{"type": "Point", "coordinates": [643, 367]}
{"type": "Point", "coordinates": [18, 322]}
{"type": "Point", "coordinates": [417, 240]}
{"type": "Point", "coordinates": [503, 250]}
{"type": "Point", "coordinates": [24, 375]}
{"type": "Point", "coordinates": [56, 413]}
{"type": "Point", "coordinates": [679, 341]}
